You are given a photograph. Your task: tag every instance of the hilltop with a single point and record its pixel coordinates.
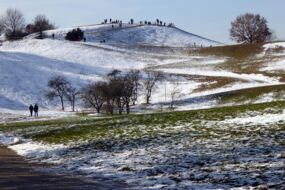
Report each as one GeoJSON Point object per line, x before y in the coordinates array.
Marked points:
{"type": "Point", "coordinates": [137, 34]}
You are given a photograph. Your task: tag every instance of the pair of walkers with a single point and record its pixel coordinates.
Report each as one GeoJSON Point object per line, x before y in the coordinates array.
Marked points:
{"type": "Point", "coordinates": [34, 109]}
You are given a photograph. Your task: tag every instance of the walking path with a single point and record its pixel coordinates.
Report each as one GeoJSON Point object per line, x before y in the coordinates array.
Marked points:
{"type": "Point", "coordinates": [18, 174]}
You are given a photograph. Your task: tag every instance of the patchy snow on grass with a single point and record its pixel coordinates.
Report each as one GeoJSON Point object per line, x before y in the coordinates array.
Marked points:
{"type": "Point", "coordinates": [39, 151]}
{"type": "Point", "coordinates": [8, 115]}
{"type": "Point", "coordinates": [238, 152]}
{"type": "Point", "coordinates": [274, 48]}
{"type": "Point", "coordinates": [232, 87]}
{"type": "Point", "coordinates": [221, 73]}
{"type": "Point", "coordinates": [274, 45]}
{"type": "Point", "coordinates": [172, 165]}
{"type": "Point", "coordinates": [275, 66]}
{"type": "Point", "coordinates": [7, 140]}
{"type": "Point", "coordinates": [269, 97]}
{"type": "Point", "coordinates": [264, 119]}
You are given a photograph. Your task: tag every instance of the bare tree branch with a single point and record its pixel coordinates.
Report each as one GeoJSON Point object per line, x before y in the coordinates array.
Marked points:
{"type": "Point", "coordinates": [250, 28]}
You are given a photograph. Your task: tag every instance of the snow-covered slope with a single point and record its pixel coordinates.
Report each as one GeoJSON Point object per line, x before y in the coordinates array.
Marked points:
{"type": "Point", "coordinates": [27, 65]}
{"type": "Point", "coordinates": [148, 35]}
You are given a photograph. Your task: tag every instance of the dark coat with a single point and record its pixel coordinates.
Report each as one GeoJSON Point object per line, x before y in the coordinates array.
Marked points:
{"type": "Point", "coordinates": [36, 108]}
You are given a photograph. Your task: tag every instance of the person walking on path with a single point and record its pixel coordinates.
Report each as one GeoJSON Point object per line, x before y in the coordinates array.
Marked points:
{"type": "Point", "coordinates": [36, 110]}
{"type": "Point", "coordinates": [31, 108]}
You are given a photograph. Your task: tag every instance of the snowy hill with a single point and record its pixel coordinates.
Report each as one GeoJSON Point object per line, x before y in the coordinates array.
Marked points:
{"type": "Point", "coordinates": [27, 65]}
{"type": "Point", "coordinates": [147, 35]}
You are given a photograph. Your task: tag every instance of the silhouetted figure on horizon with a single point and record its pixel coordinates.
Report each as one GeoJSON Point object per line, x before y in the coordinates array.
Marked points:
{"type": "Point", "coordinates": [31, 108]}
{"type": "Point", "coordinates": [36, 110]}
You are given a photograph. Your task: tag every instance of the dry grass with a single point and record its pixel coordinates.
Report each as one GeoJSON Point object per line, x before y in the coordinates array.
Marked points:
{"type": "Point", "coordinates": [243, 51]}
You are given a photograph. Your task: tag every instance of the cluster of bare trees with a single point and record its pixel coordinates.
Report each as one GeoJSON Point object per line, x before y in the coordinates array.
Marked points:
{"type": "Point", "coordinates": [13, 25]}
{"type": "Point", "coordinates": [119, 92]}
{"type": "Point", "coordinates": [40, 24]}
{"type": "Point", "coordinates": [61, 88]}
{"type": "Point", "coordinates": [116, 94]}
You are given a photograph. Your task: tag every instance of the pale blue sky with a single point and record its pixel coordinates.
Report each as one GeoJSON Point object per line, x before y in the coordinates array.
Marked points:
{"type": "Point", "coordinates": [209, 18]}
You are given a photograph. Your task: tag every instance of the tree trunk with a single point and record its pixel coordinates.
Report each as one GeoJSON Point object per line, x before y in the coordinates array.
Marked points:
{"type": "Point", "coordinates": [147, 99]}
{"type": "Point", "coordinates": [128, 108]}
{"type": "Point", "coordinates": [148, 95]}
{"type": "Point", "coordinates": [62, 103]}
{"type": "Point", "coordinates": [73, 105]}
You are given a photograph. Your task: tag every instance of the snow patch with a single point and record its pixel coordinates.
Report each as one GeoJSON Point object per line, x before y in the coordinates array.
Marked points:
{"type": "Point", "coordinates": [222, 73]}
{"type": "Point", "coordinates": [264, 119]}
{"type": "Point", "coordinates": [275, 66]}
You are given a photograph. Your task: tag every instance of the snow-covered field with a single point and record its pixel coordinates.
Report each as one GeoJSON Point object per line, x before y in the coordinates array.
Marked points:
{"type": "Point", "coordinates": [206, 149]}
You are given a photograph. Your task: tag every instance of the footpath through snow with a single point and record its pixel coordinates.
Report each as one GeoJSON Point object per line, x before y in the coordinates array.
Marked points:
{"type": "Point", "coordinates": [17, 173]}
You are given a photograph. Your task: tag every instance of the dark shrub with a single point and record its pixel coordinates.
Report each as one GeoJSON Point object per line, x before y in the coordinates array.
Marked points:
{"type": "Point", "coordinates": [75, 35]}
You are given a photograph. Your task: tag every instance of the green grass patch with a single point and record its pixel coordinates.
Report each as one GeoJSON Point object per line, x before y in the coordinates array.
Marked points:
{"type": "Point", "coordinates": [252, 94]}
{"type": "Point", "coordinates": [131, 127]}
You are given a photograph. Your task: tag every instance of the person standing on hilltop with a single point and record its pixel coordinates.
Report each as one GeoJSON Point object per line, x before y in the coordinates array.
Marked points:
{"type": "Point", "coordinates": [36, 110]}
{"type": "Point", "coordinates": [31, 108]}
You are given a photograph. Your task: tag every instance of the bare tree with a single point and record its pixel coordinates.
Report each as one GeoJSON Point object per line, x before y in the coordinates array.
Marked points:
{"type": "Point", "coordinates": [71, 94]}
{"type": "Point", "coordinates": [116, 91]}
{"type": "Point", "coordinates": [121, 90]}
{"type": "Point", "coordinates": [109, 97]}
{"type": "Point", "coordinates": [250, 28]}
{"type": "Point", "coordinates": [12, 24]}
{"type": "Point", "coordinates": [175, 94]}
{"type": "Point", "coordinates": [135, 77]}
{"type": "Point", "coordinates": [124, 88]}
{"type": "Point", "coordinates": [58, 87]}
{"type": "Point", "coordinates": [152, 77]}
{"type": "Point", "coordinates": [41, 23]}
{"type": "Point", "coordinates": [94, 95]}
{"type": "Point", "coordinates": [130, 88]}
